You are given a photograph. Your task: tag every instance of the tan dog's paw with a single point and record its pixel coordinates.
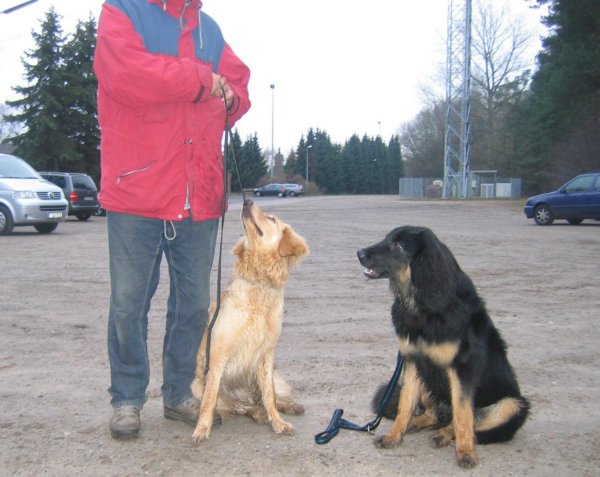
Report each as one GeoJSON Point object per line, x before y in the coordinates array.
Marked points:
{"type": "Point", "coordinates": [296, 409]}
{"type": "Point", "coordinates": [259, 415]}
{"type": "Point", "coordinates": [290, 408]}
{"type": "Point", "coordinates": [387, 442]}
{"type": "Point", "coordinates": [284, 428]}
{"type": "Point", "coordinates": [201, 433]}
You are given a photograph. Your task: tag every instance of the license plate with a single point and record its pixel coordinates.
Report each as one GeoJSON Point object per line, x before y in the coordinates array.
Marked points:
{"type": "Point", "coordinates": [88, 198]}
{"type": "Point", "coordinates": [55, 215]}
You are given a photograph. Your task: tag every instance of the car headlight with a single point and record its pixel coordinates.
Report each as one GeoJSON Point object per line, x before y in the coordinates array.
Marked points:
{"type": "Point", "coordinates": [24, 194]}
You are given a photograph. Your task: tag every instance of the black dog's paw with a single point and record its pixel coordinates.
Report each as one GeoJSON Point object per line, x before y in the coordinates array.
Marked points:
{"type": "Point", "coordinates": [440, 439]}
{"type": "Point", "coordinates": [466, 460]}
{"type": "Point", "coordinates": [387, 442]}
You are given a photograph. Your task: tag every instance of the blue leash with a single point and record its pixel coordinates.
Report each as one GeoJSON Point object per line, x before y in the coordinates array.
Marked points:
{"type": "Point", "coordinates": [338, 422]}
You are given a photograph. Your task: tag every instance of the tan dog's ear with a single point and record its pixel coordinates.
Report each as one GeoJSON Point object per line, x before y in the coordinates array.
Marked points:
{"type": "Point", "coordinates": [292, 246]}
{"type": "Point", "coordinates": [240, 247]}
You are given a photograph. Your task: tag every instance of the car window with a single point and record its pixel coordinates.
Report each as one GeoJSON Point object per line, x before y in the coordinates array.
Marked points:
{"type": "Point", "coordinates": [83, 182]}
{"type": "Point", "coordinates": [579, 184]}
{"type": "Point", "coordinates": [58, 180]}
{"type": "Point", "coordinates": [14, 168]}
{"type": "Point", "coordinates": [597, 186]}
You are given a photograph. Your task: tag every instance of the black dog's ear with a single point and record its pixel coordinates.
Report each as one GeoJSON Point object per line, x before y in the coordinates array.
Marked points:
{"type": "Point", "coordinates": [434, 271]}
{"type": "Point", "coordinates": [411, 239]}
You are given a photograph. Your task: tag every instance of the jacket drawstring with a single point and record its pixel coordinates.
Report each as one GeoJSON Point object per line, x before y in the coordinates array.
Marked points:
{"type": "Point", "coordinates": [166, 230]}
{"type": "Point", "coordinates": [200, 25]}
{"type": "Point", "coordinates": [185, 7]}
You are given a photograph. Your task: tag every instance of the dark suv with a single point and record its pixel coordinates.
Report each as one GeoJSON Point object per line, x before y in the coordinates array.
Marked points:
{"type": "Point", "coordinates": [80, 190]}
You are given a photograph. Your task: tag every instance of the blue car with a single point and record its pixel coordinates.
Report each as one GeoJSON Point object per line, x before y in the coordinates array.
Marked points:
{"type": "Point", "coordinates": [577, 200]}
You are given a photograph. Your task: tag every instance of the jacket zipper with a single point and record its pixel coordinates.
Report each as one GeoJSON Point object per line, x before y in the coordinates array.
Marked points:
{"type": "Point", "coordinates": [187, 205]}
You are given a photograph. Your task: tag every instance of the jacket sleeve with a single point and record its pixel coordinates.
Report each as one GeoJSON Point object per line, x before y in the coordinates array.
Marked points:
{"type": "Point", "coordinates": [134, 77]}
{"type": "Point", "coordinates": [238, 76]}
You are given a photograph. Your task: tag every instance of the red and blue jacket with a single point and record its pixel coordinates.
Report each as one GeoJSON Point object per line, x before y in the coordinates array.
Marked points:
{"type": "Point", "coordinates": [161, 131]}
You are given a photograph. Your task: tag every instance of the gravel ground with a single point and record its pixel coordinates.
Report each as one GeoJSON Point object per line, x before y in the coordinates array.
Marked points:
{"type": "Point", "coordinates": [336, 347]}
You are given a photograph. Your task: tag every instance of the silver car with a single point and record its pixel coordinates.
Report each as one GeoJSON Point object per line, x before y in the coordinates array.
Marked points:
{"type": "Point", "coordinates": [27, 199]}
{"type": "Point", "coordinates": [294, 189]}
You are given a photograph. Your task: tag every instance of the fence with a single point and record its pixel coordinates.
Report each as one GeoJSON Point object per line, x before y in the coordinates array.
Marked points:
{"type": "Point", "coordinates": [482, 186]}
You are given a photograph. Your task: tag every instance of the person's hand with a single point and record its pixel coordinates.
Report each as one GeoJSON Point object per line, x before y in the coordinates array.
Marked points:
{"type": "Point", "coordinates": [222, 90]}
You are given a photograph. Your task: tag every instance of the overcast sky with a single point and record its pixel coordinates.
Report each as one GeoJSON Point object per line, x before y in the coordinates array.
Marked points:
{"type": "Point", "coordinates": [343, 66]}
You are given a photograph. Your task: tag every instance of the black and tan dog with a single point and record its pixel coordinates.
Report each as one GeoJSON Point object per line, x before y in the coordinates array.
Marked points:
{"type": "Point", "coordinates": [456, 376]}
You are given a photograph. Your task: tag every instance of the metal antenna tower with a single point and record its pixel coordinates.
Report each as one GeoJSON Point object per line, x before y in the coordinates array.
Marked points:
{"type": "Point", "coordinates": [458, 85]}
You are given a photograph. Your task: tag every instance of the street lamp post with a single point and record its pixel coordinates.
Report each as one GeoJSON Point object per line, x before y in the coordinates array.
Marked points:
{"type": "Point", "coordinates": [272, 128]}
{"type": "Point", "coordinates": [307, 149]}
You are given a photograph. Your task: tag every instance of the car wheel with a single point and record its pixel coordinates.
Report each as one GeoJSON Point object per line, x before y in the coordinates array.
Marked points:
{"type": "Point", "coordinates": [257, 194]}
{"type": "Point", "coordinates": [292, 194]}
{"type": "Point", "coordinates": [280, 194]}
{"type": "Point", "coordinates": [6, 221]}
{"type": "Point", "coordinates": [543, 215]}
{"type": "Point", "coordinates": [46, 228]}
{"type": "Point", "coordinates": [574, 221]}
{"type": "Point", "coordinates": [83, 216]}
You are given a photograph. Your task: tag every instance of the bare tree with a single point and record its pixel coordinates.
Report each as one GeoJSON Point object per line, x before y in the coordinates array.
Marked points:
{"type": "Point", "coordinates": [422, 142]}
{"type": "Point", "coordinates": [502, 54]}
{"type": "Point", "coordinates": [500, 62]}
{"type": "Point", "coordinates": [500, 44]}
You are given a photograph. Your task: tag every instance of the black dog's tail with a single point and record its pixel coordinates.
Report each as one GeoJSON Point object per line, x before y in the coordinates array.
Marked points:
{"type": "Point", "coordinates": [506, 430]}
{"type": "Point", "coordinates": [391, 408]}
{"type": "Point", "coordinates": [390, 411]}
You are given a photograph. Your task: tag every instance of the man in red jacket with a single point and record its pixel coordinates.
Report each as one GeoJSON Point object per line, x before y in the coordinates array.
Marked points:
{"type": "Point", "coordinates": [167, 80]}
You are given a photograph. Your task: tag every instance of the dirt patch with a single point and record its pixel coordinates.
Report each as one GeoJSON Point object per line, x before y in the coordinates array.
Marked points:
{"type": "Point", "coordinates": [336, 346]}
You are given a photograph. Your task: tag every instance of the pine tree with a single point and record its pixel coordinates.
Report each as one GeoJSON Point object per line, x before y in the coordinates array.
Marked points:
{"type": "Point", "coordinates": [394, 166]}
{"type": "Point", "coordinates": [353, 174]}
{"type": "Point", "coordinates": [81, 118]}
{"type": "Point", "coordinates": [559, 120]}
{"type": "Point", "coordinates": [44, 142]}
{"type": "Point", "coordinates": [324, 163]}
{"type": "Point", "coordinates": [302, 156]}
{"type": "Point", "coordinates": [252, 163]}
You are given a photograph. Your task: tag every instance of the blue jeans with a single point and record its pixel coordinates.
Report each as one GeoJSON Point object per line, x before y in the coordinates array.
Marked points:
{"type": "Point", "coordinates": [136, 246]}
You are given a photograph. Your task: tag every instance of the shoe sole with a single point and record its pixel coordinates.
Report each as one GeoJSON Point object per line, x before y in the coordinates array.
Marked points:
{"type": "Point", "coordinates": [124, 435]}
{"type": "Point", "coordinates": [176, 416]}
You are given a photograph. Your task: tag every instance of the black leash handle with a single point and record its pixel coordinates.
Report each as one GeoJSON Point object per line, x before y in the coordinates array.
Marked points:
{"type": "Point", "coordinates": [338, 422]}
{"type": "Point", "coordinates": [228, 141]}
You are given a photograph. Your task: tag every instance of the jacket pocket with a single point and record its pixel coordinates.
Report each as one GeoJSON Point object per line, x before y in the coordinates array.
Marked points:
{"type": "Point", "coordinates": [154, 114]}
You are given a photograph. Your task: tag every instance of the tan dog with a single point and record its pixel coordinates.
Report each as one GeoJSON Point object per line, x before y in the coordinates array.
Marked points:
{"type": "Point", "coordinates": [241, 378]}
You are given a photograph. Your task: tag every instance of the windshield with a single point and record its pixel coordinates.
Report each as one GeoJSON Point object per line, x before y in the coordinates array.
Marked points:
{"type": "Point", "coordinates": [11, 167]}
